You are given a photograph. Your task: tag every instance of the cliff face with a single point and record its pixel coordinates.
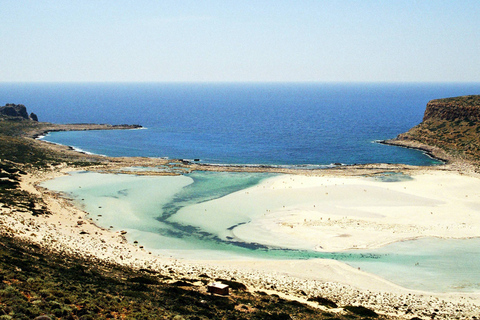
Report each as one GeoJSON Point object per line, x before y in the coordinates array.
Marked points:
{"type": "Point", "coordinates": [465, 108]}
{"type": "Point", "coordinates": [450, 129]}
{"type": "Point", "coordinates": [17, 111]}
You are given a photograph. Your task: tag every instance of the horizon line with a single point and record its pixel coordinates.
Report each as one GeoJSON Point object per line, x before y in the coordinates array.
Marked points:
{"type": "Point", "coordinates": [239, 82]}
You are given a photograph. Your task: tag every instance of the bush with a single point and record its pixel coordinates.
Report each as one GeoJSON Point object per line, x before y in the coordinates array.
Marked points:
{"type": "Point", "coordinates": [324, 302]}
{"type": "Point", "coordinates": [361, 311]}
{"type": "Point", "coordinates": [143, 280]}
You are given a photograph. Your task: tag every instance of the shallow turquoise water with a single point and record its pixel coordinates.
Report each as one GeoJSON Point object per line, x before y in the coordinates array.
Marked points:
{"type": "Point", "coordinates": [147, 206]}
{"type": "Point", "coordinates": [430, 264]}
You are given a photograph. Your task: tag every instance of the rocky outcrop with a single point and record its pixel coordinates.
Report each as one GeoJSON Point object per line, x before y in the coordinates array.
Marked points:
{"type": "Point", "coordinates": [466, 108]}
{"type": "Point", "coordinates": [17, 111]}
{"type": "Point", "coordinates": [33, 116]}
{"type": "Point", "coordinates": [450, 130]}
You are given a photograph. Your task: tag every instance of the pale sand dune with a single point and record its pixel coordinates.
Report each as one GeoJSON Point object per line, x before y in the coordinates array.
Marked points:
{"type": "Point", "coordinates": [362, 212]}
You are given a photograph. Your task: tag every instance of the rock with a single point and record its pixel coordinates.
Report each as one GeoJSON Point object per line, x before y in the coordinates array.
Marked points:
{"type": "Point", "coordinates": [33, 117]}
{"type": "Point", "coordinates": [17, 111]}
{"type": "Point", "coordinates": [466, 108]}
{"type": "Point", "coordinates": [14, 110]}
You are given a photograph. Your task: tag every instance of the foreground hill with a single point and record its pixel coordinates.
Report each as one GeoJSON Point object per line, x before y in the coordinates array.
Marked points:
{"type": "Point", "coordinates": [450, 130]}
{"type": "Point", "coordinates": [37, 283]}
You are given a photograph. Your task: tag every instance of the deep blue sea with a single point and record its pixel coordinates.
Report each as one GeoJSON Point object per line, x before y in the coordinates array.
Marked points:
{"type": "Point", "coordinates": [239, 123]}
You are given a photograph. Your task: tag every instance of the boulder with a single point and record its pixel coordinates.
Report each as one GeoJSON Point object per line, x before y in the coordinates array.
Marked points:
{"type": "Point", "coordinates": [33, 117]}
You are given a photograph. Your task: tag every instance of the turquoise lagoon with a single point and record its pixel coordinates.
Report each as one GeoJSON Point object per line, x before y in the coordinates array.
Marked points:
{"type": "Point", "coordinates": [152, 210]}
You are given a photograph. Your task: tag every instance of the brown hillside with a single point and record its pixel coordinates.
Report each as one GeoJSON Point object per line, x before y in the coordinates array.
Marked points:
{"type": "Point", "coordinates": [450, 129]}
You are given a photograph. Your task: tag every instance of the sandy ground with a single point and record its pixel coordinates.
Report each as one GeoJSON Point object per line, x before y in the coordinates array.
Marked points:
{"type": "Point", "coordinates": [341, 213]}
{"type": "Point", "coordinates": [370, 212]}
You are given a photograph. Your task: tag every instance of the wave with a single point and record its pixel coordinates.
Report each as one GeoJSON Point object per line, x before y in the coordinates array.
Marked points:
{"type": "Point", "coordinates": [77, 149]}
{"type": "Point", "coordinates": [85, 152]}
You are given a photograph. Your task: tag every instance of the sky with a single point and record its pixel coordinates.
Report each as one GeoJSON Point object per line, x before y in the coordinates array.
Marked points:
{"type": "Point", "coordinates": [240, 41]}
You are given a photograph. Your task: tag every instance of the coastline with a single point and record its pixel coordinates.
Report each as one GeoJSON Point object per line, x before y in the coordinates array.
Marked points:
{"type": "Point", "coordinates": [448, 162]}
{"type": "Point", "coordinates": [68, 231]}
{"type": "Point", "coordinates": [430, 151]}
{"type": "Point", "coordinates": [48, 127]}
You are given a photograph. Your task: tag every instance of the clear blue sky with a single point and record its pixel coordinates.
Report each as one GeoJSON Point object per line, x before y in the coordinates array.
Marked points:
{"type": "Point", "coordinates": [223, 40]}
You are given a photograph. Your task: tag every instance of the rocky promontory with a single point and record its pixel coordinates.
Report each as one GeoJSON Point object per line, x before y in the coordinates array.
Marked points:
{"type": "Point", "coordinates": [466, 108]}
{"type": "Point", "coordinates": [450, 130]}
{"type": "Point", "coordinates": [18, 111]}
{"type": "Point", "coordinates": [19, 130]}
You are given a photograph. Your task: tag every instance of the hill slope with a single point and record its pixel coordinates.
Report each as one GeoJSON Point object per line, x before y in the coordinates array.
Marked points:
{"type": "Point", "coordinates": [450, 130]}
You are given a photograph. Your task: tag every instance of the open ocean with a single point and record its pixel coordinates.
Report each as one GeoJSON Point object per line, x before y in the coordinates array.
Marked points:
{"type": "Point", "coordinates": [244, 123]}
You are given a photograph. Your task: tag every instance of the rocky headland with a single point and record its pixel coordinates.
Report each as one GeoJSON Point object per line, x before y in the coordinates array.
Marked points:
{"type": "Point", "coordinates": [16, 111]}
{"type": "Point", "coordinates": [450, 130]}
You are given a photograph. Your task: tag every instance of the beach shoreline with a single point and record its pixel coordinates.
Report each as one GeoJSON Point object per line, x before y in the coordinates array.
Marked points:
{"type": "Point", "coordinates": [68, 230]}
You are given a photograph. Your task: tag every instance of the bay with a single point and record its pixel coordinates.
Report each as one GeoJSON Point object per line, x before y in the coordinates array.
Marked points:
{"type": "Point", "coordinates": [247, 123]}
{"type": "Point", "coordinates": [240, 123]}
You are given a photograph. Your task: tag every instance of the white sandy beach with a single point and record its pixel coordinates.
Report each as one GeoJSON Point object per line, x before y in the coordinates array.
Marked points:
{"type": "Point", "coordinates": [321, 212]}
{"type": "Point", "coordinates": [340, 213]}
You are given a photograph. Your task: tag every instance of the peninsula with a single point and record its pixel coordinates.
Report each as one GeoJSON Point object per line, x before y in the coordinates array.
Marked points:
{"type": "Point", "coordinates": [47, 243]}
{"type": "Point", "coordinates": [450, 130]}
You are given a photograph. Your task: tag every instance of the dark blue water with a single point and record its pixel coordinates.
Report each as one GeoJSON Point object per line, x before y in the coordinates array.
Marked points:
{"type": "Point", "coordinates": [284, 124]}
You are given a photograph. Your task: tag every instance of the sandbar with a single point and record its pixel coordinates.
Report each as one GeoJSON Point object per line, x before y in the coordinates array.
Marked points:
{"type": "Point", "coordinates": [344, 213]}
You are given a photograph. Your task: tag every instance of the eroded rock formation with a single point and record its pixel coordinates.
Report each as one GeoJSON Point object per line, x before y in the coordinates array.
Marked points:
{"type": "Point", "coordinates": [466, 108]}
{"type": "Point", "coordinates": [17, 111]}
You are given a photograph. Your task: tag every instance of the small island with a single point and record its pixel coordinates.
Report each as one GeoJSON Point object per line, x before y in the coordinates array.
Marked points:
{"type": "Point", "coordinates": [57, 263]}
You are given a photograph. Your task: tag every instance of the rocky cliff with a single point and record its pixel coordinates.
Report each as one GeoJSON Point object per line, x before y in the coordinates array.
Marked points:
{"type": "Point", "coordinates": [466, 108]}
{"type": "Point", "coordinates": [450, 129]}
{"type": "Point", "coordinates": [17, 111]}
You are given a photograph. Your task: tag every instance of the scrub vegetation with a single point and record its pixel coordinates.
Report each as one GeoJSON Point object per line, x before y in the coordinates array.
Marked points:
{"type": "Point", "coordinates": [35, 282]}
{"type": "Point", "coordinates": [17, 155]}
{"type": "Point", "coordinates": [452, 125]}
{"type": "Point", "coordinates": [460, 139]}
